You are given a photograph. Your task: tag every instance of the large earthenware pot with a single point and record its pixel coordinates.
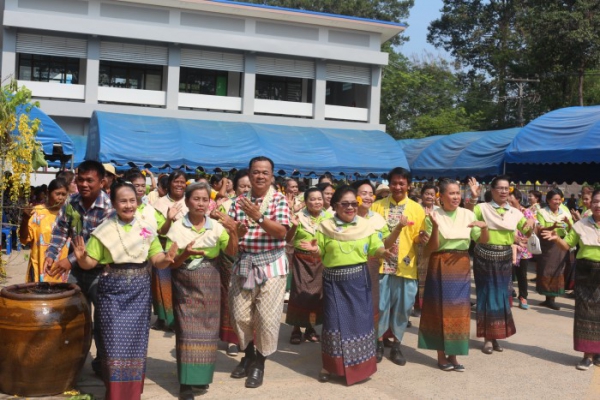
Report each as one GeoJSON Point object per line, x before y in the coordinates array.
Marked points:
{"type": "Point", "coordinates": [45, 336]}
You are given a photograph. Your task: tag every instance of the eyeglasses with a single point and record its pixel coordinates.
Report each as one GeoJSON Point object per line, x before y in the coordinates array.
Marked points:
{"type": "Point", "coordinates": [502, 189]}
{"type": "Point", "coordinates": [346, 204]}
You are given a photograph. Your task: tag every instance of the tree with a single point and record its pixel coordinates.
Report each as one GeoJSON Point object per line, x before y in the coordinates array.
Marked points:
{"type": "Point", "coordinates": [383, 10]}
{"type": "Point", "coordinates": [17, 145]}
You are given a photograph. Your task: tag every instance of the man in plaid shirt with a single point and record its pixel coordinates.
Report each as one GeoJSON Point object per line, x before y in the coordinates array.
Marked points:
{"type": "Point", "coordinates": [80, 215]}
{"type": "Point", "coordinates": [259, 276]}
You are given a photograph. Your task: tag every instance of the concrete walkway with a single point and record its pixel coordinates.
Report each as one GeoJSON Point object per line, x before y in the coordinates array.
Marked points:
{"type": "Point", "coordinates": [538, 363]}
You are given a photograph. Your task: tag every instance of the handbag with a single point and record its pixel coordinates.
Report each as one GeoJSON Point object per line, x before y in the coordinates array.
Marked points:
{"type": "Point", "coordinates": [533, 244]}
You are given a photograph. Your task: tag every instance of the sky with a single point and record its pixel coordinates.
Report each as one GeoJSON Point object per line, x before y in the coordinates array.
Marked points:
{"type": "Point", "coordinates": [423, 12]}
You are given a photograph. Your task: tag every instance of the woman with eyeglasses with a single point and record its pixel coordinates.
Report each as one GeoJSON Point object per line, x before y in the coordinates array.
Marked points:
{"type": "Point", "coordinates": [492, 263]}
{"type": "Point", "coordinates": [551, 263]}
{"type": "Point", "coordinates": [345, 242]}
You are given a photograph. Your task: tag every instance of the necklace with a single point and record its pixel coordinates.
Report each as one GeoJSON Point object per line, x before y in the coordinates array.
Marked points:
{"type": "Point", "coordinates": [123, 244]}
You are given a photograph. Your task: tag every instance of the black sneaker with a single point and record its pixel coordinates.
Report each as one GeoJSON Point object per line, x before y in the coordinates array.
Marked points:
{"type": "Point", "coordinates": [379, 351]}
{"type": "Point", "coordinates": [597, 360]}
{"type": "Point", "coordinates": [396, 355]}
{"type": "Point", "coordinates": [584, 364]}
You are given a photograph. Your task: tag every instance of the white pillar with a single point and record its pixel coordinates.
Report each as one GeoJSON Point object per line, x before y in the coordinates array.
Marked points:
{"type": "Point", "coordinates": [92, 73]}
{"type": "Point", "coordinates": [173, 69]}
{"type": "Point", "coordinates": [375, 94]}
{"type": "Point", "coordinates": [249, 84]}
{"type": "Point", "coordinates": [9, 53]}
{"type": "Point", "coordinates": [319, 91]}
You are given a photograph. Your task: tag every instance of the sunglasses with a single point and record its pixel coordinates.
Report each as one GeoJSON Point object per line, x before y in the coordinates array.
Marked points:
{"type": "Point", "coordinates": [346, 204]}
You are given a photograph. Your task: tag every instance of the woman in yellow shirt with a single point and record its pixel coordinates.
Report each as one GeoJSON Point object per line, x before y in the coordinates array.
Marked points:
{"type": "Point", "coordinates": [36, 231]}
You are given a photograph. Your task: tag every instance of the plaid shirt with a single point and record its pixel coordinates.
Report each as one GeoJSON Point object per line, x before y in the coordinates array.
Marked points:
{"type": "Point", "coordinates": [257, 240]}
{"type": "Point", "coordinates": [66, 228]}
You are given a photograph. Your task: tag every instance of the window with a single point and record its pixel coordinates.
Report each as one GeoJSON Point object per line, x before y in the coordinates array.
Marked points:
{"type": "Point", "coordinates": [282, 88]}
{"type": "Point", "coordinates": [203, 81]}
{"type": "Point", "coordinates": [42, 68]}
{"type": "Point", "coordinates": [347, 94]}
{"type": "Point", "coordinates": [130, 76]}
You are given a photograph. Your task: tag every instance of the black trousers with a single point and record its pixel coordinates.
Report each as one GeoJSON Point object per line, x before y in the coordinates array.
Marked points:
{"type": "Point", "coordinates": [521, 273]}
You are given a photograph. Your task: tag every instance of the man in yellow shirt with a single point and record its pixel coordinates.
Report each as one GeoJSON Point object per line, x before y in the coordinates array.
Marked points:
{"type": "Point", "coordinates": [398, 281]}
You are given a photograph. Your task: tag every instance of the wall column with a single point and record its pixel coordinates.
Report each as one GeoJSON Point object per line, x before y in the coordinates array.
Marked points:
{"type": "Point", "coordinates": [319, 90]}
{"type": "Point", "coordinates": [249, 84]}
{"type": "Point", "coordinates": [92, 73]}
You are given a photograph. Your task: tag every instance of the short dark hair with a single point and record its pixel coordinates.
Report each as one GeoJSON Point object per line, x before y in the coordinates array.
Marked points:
{"type": "Point", "coordinates": [537, 194]}
{"type": "Point", "coordinates": [499, 178]}
{"type": "Point", "coordinates": [358, 184]}
{"type": "Point", "coordinates": [290, 180]}
{"type": "Point", "coordinates": [309, 191]}
{"type": "Point", "coordinates": [174, 175]}
{"type": "Point", "coordinates": [443, 183]}
{"type": "Point", "coordinates": [216, 178]}
{"type": "Point", "coordinates": [517, 194]}
{"type": "Point", "coordinates": [325, 185]}
{"type": "Point", "coordinates": [401, 172]}
{"type": "Point", "coordinates": [133, 175]}
{"type": "Point", "coordinates": [324, 176]}
{"type": "Point", "coordinates": [58, 184]}
{"type": "Point", "coordinates": [190, 189]}
{"type": "Point", "coordinates": [340, 192]}
{"type": "Point", "coordinates": [65, 175]}
{"type": "Point", "coordinates": [118, 184]}
{"type": "Point", "coordinates": [90, 165]}
{"type": "Point", "coordinates": [553, 192]}
{"type": "Point", "coordinates": [429, 185]}
{"type": "Point", "coordinates": [261, 158]}
{"type": "Point", "coordinates": [163, 181]}
{"type": "Point", "coordinates": [239, 175]}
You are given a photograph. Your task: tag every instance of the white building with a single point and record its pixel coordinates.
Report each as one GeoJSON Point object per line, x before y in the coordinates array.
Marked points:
{"type": "Point", "coordinates": [215, 60]}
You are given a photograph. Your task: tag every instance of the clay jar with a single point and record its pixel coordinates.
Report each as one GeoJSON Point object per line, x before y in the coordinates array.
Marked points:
{"type": "Point", "coordinates": [45, 336]}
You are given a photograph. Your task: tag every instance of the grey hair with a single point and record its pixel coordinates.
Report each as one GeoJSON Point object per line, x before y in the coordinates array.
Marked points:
{"type": "Point", "coordinates": [197, 186]}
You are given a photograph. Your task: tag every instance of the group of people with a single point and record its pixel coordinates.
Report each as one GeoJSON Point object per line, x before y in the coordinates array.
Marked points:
{"type": "Point", "coordinates": [210, 258]}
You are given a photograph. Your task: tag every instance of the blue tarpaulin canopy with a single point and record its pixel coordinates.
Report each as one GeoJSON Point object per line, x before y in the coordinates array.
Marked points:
{"type": "Point", "coordinates": [567, 135]}
{"type": "Point", "coordinates": [459, 155]}
{"type": "Point", "coordinates": [218, 145]}
{"type": "Point", "coordinates": [79, 146]}
{"type": "Point", "coordinates": [50, 133]}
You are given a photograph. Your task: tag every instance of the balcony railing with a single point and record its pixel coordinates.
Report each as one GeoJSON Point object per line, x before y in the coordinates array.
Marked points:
{"type": "Point", "coordinates": [207, 102]}
{"type": "Point", "coordinates": [347, 113]}
{"type": "Point", "coordinates": [53, 90]}
{"type": "Point", "coordinates": [132, 96]}
{"type": "Point", "coordinates": [283, 108]}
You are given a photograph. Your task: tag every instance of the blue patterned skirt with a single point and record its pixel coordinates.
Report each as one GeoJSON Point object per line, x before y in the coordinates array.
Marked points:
{"type": "Point", "coordinates": [348, 338]}
{"type": "Point", "coordinates": [124, 310]}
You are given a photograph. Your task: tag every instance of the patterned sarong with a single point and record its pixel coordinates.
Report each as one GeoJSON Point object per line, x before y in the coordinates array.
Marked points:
{"type": "Point", "coordinates": [586, 332]}
{"type": "Point", "coordinates": [305, 307]}
{"type": "Point", "coordinates": [492, 267]}
{"type": "Point", "coordinates": [197, 308]}
{"type": "Point", "coordinates": [445, 317]}
{"type": "Point", "coordinates": [348, 339]}
{"type": "Point", "coordinates": [550, 267]}
{"type": "Point", "coordinates": [124, 310]}
{"type": "Point", "coordinates": [226, 332]}
{"type": "Point", "coordinates": [162, 297]}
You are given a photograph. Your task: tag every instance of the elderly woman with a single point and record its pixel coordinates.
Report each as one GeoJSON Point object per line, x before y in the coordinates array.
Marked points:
{"type": "Point", "coordinates": [585, 234]}
{"type": "Point", "coordinates": [492, 263]}
{"type": "Point", "coordinates": [551, 263]}
{"type": "Point", "coordinates": [172, 208]}
{"type": "Point", "coordinates": [305, 307]}
{"type": "Point", "coordinates": [123, 243]}
{"type": "Point", "coordinates": [197, 288]}
{"type": "Point", "coordinates": [344, 243]}
{"type": "Point", "coordinates": [445, 319]}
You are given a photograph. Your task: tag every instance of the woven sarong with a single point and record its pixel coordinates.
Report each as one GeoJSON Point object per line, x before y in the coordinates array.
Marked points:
{"type": "Point", "coordinates": [348, 339]}
{"type": "Point", "coordinates": [586, 332]}
{"type": "Point", "coordinates": [162, 298]}
{"type": "Point", "coordinates": [550, 268]}
{"type": "Point", "coordinates": [226, 332]}
{"type": "Point", "coordinates": [305, 307]}
{"type": "Point", "coordinates": [445, 317]}
{"type": "Point", "coordinates": [124, 310]}
{"type": "Point", "coordinates": [492, 267]}
{"type": "Point", "coordinates": [197, 308]}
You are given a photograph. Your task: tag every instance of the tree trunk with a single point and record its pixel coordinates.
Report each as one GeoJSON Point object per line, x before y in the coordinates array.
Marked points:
{"type": "Point", "coordinates": [581, 76]}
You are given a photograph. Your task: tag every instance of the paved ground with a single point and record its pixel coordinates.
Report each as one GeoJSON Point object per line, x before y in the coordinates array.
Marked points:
{"type": "Point", "coordinates": [538, 362]}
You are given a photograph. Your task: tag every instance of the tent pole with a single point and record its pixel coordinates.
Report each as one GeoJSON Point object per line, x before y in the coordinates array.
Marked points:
{"type": "Point", "coordinates": [504, 168]}
{"type": "Point", "coordinates": [72, 162]}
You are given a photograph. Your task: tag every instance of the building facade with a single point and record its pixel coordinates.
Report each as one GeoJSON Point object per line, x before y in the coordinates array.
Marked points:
{"type": "Point", "coordinates": [216, 60]}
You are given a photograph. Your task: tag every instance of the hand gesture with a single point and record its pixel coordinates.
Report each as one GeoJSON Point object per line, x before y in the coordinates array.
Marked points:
{"type": "Point", "coordinates": [173, 211]}
{"type": "Point", "coordinates": [402, 222]}
{"type": "Point", "coordinates": [567, 221]}
{"type": "Point", "coordinates": [294, 220]}
{"type": "Point", "coordinates": [147, 171]}
{"type": "Point", "coordinates": [479, 224]}
{"type": "Point", "coordinates": [548, 228]}
{"type": "Point", "coordinates": [242, 229]}
{"type": "Point", "coordinates": [387, 254]}
{"type": "Point", "coordinates": [290, 199]}
{"type": "Point", "coordinates": [61, 267]}
{"type": "Point", "coordinates": [423, 237]}
{"type": "Point", "coordinates": [433, 219]}
{"type": "Point", "coordinates": [309, 246]}
{"type": "Point", "coordinates": [79, 248]}
{"type": "Point", "coordinates": [189, 250]}
{"type": "Point", "coordinates": [576, 215]}
{"type": "Point", "coordinates": [475, 188]}
{"type": "Point", "coordinates": [170, 255]}
{"type": "Point", "coordinates": [550, 235]}
{"type": "Point", "coordinates": [249, 208]}
{"type": "Point", "coordinates": [530, 224]}
{"type": "Point", "coordinates": [28, 210]}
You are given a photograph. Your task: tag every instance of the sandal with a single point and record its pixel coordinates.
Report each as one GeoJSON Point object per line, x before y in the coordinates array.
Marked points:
{"type": "Point", "coordinates": [311, 336]}
{"type": "Point", "coordinates": [296, 337]}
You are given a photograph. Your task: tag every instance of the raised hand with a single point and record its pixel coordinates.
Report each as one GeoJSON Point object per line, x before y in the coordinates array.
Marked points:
{"type": "Point", "coordinates": [189, 250]}
{"type": "Point", "coordinates": [170, 255]}
{"type": "Point", "coordinates": [475, 188]}
{"type": "Point", "coordinates": [479, 224]}
{"type": "Point", "coordinates": [79, 248]}
{"type": "Point", "coordinates": [242, 229]}
{"type": "Point", "coordinates": [309, 246]}
{"type": "Point", "coordinates": [249, 208]}
{"type": "Point", "coordinates": [294, 220]}
{"type": "Point", "coordinates": [173, 211]}
{"type": "Point", "coordinates": [550, 235]}
{"type": "Point", "coordinates": [576, 215]}
{"type": "Point", "coordinates": [433, 219]}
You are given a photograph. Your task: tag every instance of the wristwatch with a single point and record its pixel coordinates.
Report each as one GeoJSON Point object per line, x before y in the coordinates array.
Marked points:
{"type": "Point", "coordinates": [261, 219]}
